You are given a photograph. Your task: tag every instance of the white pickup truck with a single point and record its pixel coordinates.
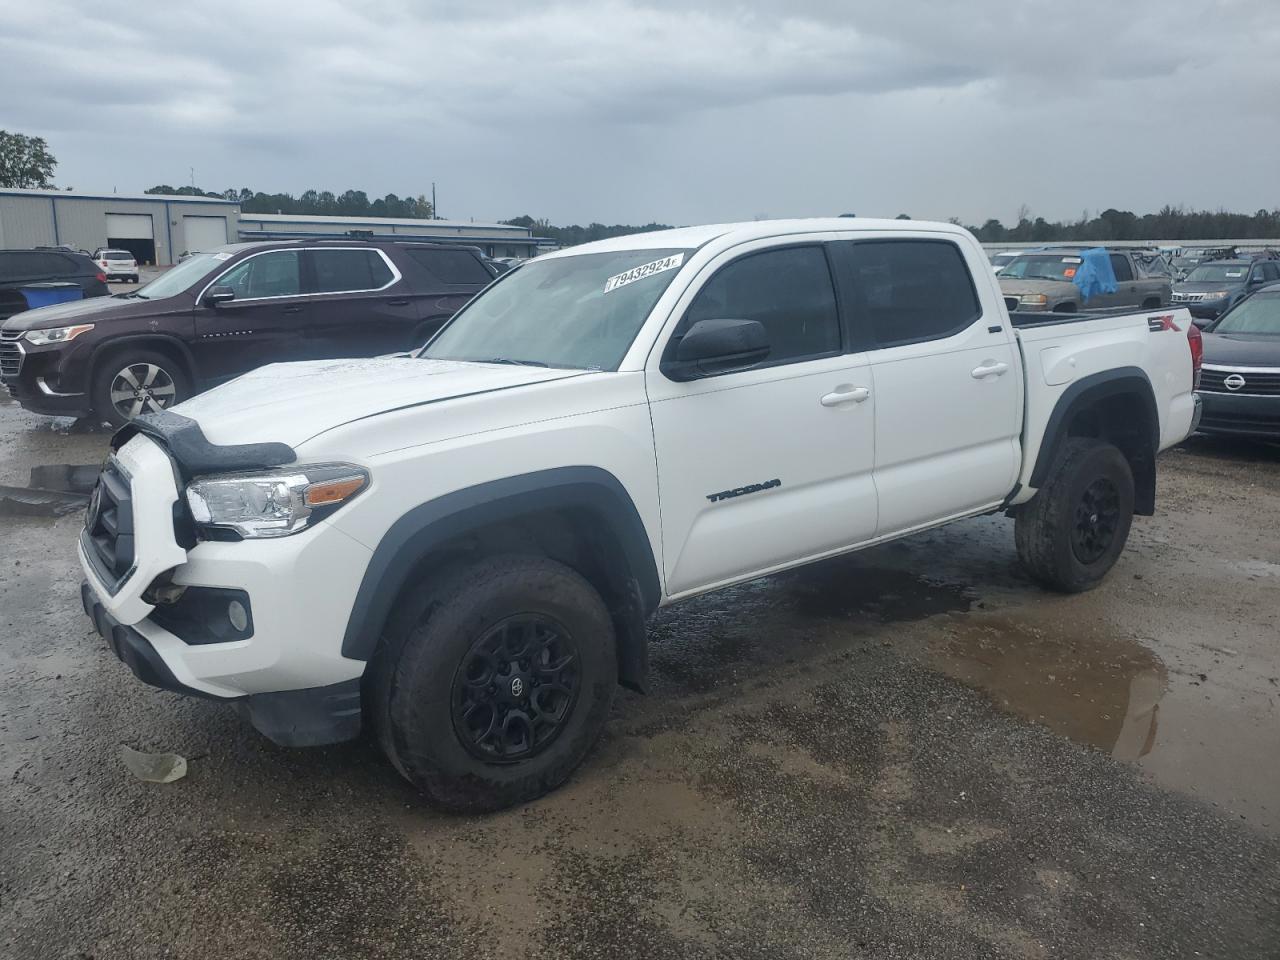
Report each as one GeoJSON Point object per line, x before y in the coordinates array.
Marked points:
{"type": "Point", "coordinates": [461, 547]}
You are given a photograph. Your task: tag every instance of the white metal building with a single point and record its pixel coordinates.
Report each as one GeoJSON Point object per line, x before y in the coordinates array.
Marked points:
{"type": "Point", "coordinates": [495, 239]}
{"type": "Point", "coordinates": [155, 228]}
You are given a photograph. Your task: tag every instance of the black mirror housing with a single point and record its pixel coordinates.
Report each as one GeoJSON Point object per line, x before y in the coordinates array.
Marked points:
{"type": "Point", "coordinates": [717, 346]}
{"type": "Point", "coordinates": [218, 294]}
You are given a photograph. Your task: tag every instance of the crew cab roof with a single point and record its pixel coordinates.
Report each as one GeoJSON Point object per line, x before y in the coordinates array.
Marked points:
{"type": "Point", "coordinates": [694, 237]}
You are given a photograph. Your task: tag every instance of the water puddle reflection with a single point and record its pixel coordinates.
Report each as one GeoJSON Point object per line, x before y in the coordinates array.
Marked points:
{"type": "Point", "coordinates": [1092, 688]}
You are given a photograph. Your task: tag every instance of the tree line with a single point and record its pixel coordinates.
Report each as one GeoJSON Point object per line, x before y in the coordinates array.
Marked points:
{"type": "Point", "coordinates": [1169, 223]}
{"type": "Point", "coordinates": [573, 235]}
{"type": "Point", "coordinates": [314, 203]}
{"type": "Point", "coordinates": [26, 162]}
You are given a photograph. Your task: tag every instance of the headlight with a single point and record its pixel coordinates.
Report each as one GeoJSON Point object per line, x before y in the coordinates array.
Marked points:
{"type": "Point", "coordinates": [1039, 299]}
{"type": "Point", "coordinates": [57, 334]}
{"type": "Point", "coordinates": [273, 503]}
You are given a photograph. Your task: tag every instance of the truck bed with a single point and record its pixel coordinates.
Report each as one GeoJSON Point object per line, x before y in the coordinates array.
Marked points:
{"type": "Point", "coordinates": [1039, 318]}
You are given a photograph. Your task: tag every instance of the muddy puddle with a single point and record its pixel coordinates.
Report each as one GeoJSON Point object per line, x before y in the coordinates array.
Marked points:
{"type": "Point", "coordinates": [1079, 683]}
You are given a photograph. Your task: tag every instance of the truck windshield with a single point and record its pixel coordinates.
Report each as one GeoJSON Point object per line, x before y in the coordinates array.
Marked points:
{"type": "Point", "coordinates": [1218, 271]}
{"type": "Point", "coordinates": [1042, 267]}
{"type": "Point", "coordinates": [578, 311]}
{"type": "Point", "coordinates": [1258, 314]}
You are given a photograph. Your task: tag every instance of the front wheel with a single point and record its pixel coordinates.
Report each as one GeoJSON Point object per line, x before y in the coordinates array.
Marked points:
{"type": "Point", "coordinates": [130, 383]}
{"type": "Point", "coordinates": [1071, 532]}
{"type": "Point", "coordinates": [501, 688]}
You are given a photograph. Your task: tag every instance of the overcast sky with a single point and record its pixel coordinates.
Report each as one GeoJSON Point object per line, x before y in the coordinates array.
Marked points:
{"type": "Point", "coordinates": [680, 111]}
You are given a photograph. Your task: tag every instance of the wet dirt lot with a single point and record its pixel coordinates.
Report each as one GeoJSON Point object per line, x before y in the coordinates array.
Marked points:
{"type": "Point", "coordinates": [911, 752]}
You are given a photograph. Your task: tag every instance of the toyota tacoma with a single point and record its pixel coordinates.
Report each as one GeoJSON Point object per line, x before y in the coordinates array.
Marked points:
{"type": "Point", "coordinates": [460, 547]}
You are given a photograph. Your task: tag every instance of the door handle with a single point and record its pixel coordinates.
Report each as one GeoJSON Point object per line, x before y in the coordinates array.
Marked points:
{"type": "Point", "coordinates": [399, 302]}
{"type": "Point", "coordinates": [989, 369]}
{"type": "Point", "coordinates": [291, 310]}
{"type": "Point", "coordinates": [845, 394]}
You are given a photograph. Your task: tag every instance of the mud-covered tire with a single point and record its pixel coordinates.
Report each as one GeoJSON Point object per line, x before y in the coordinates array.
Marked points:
{"type": "Point", "coordinates": [1071, 532]}
{"type": "Point", "coordinates": [418, 681]}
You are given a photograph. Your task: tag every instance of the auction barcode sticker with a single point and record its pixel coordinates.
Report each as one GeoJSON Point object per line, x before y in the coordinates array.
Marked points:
{"type": "Point", "coordinates": [642, 271]}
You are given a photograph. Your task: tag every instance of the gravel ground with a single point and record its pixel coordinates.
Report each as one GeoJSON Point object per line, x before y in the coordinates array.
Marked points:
{"type": "Point", "coordinates": [911, 752]}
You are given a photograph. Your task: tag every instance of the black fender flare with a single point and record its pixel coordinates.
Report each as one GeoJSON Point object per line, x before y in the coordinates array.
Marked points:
{"type": "Point", "coordinates": [1088, 390]}
{"type": "Point", "coordinates": [412, 537]}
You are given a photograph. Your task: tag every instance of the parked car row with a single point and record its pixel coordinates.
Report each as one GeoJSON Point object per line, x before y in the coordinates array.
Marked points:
{"type": "Point", "coordinates": [217, 315]}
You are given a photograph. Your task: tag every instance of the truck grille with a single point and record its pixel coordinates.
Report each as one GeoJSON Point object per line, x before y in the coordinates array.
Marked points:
{"type": "Point", "coordinates": [10, 354]}
{"type": "Point", "coordinates": [108, 529]}
{"type": "Point", "coordinates": [1255, 382]}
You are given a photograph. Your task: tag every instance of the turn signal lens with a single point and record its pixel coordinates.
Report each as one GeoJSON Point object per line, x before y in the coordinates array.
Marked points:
{"type": "Point", "coordinates": [332, 491]}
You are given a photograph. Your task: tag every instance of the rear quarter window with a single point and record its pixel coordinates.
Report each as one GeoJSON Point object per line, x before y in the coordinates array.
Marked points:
{"type": "Point", "coordinates": [450, 266]}
{"type": "Point", "coordinates": [35, 265]}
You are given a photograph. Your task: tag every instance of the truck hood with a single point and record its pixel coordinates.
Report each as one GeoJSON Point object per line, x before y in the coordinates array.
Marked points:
{"type": "Point", "coordinates": [91, 310]}
{"type": "Point", "coordinates": [1012, 287]}
{"type": "Point", "coordinates": [1242, 349]}
{"type": "Point", "coordinates": [292, 402]}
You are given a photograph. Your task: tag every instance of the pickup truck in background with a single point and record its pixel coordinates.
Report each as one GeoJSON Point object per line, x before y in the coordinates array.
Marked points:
{"type": "Point", "coordinates": [461, 547]}
{"type": "Point", "coordinates": [1041, 280]}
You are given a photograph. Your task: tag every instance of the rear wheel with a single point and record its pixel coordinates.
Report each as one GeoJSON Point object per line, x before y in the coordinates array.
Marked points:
{"type": "Point", "coordinates": [134, 382]}
{"type": "Point", "coordinates": [502, 686]}
{"type": "Point", "coordinates": [1071, 533]}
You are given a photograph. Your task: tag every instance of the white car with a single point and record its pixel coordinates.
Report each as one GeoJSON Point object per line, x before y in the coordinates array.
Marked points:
{"type": "Point", "coordinates": [1002, 259]}
{"type": "Point", "coordinates": [462, 547]}
{"type": "Point", "coordinates": [116, 264]}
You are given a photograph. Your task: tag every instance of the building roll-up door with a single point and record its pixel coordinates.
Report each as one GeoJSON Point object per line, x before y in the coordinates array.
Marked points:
{"type": "Point", "coordinates": [134, 232]}
{"type": "Point", "coordinates": [130, 226]}
{"type": "Point", "coordinates": [203, 233]}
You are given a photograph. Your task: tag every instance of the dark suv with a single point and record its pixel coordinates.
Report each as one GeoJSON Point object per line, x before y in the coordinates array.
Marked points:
{"type": "Point", "coordinates": [1211, 289]}
{"type": "Point", "coordinates": [217, 315]}
{"type": "Point", "coordinates": [21, 268]}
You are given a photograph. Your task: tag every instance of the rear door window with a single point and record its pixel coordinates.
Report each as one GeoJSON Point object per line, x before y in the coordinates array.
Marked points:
{"type": "Point", "coordinates": [450, 266]}
{"type": "Point", "coordinates": [349, 271]}
{"type": "Point", "coordinates": [1120, 267]}
{"type": "Point", "coordinates": [905, 291]}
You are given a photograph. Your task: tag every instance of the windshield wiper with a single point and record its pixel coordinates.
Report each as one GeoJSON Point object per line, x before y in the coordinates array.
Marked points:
{"type": "Point", "coordinates": [513, 362]}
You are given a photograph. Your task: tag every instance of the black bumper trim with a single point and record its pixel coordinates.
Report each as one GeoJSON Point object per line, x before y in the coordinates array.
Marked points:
{"type": "Point", "coordinates": [306, 718]}
{"type": "Point", "coordinates": [292, 718]}
{"type": "Point", "coordinates": [134, 650]}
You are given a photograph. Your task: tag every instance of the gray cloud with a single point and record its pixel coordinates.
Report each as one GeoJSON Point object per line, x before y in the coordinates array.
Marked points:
{"type": "Point", "coordinates": [655, 109]}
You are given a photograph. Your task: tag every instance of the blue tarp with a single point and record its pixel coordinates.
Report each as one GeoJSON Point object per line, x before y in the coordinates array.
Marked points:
{"type": "Point", "coordinates": [1094, 275]}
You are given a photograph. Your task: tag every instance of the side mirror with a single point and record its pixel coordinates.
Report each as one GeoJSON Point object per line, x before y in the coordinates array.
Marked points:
{"type": "Point", "coordinates": [219, 294]}
{"type": "Point", "coordinates": [717, 346]}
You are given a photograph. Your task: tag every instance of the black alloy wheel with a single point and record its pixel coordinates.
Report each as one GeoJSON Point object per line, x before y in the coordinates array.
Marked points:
{"type": "Point", "coordinates": [515, 688]}
{"type": "Point", "coordinates": [1097, 518]}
